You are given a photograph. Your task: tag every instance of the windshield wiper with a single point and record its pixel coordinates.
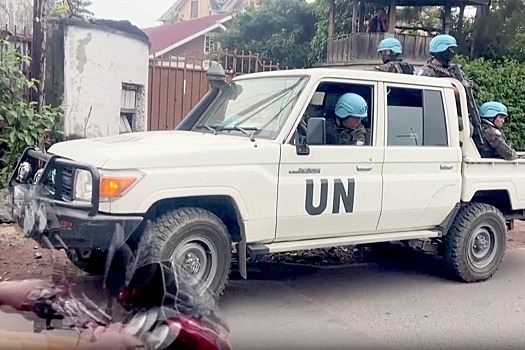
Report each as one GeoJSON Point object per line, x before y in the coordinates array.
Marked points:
{"type": "Point", "coordinates": [243, 130]}
{"type": "Point", "coordinates": [207, 127]}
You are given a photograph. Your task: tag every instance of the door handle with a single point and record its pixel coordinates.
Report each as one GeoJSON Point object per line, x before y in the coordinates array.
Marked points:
{"type": "Point", "coordinates": [446, 167]}
{"type": "Point", "coordinates": [363, 168]}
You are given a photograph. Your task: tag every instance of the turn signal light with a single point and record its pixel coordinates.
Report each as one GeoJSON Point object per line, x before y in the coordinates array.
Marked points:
{"type": "Point", "coordinates": [112, 187]}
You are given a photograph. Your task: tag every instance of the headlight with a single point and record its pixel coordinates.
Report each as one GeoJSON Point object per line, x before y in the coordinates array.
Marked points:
{"type": "Point", "coordinates": [111, 186]}
{"type": "Point", "coordinates": [83, 185]}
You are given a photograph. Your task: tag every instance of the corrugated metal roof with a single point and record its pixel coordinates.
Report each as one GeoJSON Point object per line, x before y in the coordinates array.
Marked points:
{"type": "Point", "coordinates": [169, 35]}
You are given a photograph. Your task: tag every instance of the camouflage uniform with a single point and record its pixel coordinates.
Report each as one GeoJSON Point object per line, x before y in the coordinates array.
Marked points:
{"type": "Point", "coordinates": [431, 70]}
{"type": "Point", "coordinates": [337, 135]}
{"type": "Point", "coordinates": [396, 67]}
{"type": "Point", "coordinates": [495, 143]}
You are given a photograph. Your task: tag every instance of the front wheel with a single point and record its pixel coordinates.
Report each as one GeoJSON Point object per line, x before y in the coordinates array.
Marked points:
{"type": "Point", "coordinates": [194, 240]}
{"type": "Point", "coordinates": [476, 242]}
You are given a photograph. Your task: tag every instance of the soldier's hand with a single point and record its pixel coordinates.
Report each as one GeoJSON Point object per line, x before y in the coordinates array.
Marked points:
{"type": "Point", "coordinates": [116, 336]}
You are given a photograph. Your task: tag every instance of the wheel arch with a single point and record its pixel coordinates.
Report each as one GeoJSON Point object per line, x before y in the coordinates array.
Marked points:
{"type": "Point", "coordinates": [497, 198]}
{"type": "Point", "coordinates": [223, 206]}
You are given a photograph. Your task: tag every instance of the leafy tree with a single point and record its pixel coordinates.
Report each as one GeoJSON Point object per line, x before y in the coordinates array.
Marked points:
{"type": "Point", "coordinates": [277, 30]}
{"type": "Point", "coordinates": [343, 25]}
{"type": "Point", "coordinates": [503, 81]}
{"type": "Point", "coordinates": [73, 8]}
{"type": "Point", "coordinates": [500, 32]}
{"type": "Point", "coordinates": [26, 125]}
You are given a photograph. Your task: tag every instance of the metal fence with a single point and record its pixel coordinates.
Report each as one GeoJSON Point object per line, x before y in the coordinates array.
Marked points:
{"type": "Point", "coordinates": [176, 84]}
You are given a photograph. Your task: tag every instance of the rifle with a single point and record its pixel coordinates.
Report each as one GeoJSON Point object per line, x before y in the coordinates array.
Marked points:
{"type": "Point", "coordinates": [473, 111]}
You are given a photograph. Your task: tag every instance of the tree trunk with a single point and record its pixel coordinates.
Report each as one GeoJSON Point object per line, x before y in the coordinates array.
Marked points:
{"type": "Point", "coordinates": [479, 45]}
{"type": "Point", "coordinates": [38, 57]}
{"type": "Point", "coordinates": [392, 20]}
{"type": "Point", "coordinates": [331, 19]}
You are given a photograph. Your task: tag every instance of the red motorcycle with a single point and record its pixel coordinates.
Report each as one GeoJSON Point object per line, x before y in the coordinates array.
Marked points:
{"type": "Point", "coordinates": [162, 312]}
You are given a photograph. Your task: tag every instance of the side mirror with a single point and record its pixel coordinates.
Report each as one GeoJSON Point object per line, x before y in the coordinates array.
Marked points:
{"type": "Point", "coordinates": [316, 131]}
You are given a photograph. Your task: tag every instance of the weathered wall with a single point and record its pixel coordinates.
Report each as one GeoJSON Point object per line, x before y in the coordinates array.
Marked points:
{"type": "Point", "coordinates": [196, 46]}
{"type": "Point", "coordinates": [96, 64]}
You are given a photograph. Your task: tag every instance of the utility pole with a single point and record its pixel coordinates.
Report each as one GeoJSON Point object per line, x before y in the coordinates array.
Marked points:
{"type": "Point", "coordinates": [37, 51]}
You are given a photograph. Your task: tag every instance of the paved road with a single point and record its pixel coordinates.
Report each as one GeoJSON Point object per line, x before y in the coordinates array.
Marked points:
{"type": "Point", "coordinates": [404, 301]}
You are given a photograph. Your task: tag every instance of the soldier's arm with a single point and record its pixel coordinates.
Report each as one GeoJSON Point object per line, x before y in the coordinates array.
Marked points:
{"type": "Point", "coordinates": [501, 147]}
{"type": "Point", "coordinates": [360, 137]}
{"type": "Point", "coordinates": [425, 72]}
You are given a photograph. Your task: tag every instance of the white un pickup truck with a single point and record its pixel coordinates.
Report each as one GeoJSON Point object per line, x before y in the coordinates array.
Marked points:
{"type": "Point", "coordinates": [250, 171]}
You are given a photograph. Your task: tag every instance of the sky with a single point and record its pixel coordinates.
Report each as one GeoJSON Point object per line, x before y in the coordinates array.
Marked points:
{"type": "Point", "coordinates": [135, 11]}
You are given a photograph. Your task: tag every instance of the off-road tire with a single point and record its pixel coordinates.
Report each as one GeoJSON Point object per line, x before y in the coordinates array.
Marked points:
{"type": "Point", "coordinates": [460, 245]}
{"type": "Point", "coordinates": [176, 227]}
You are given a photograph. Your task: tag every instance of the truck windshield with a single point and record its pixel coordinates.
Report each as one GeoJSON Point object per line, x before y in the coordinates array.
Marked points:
{"type": "Point", "coordinates": [256, 107]}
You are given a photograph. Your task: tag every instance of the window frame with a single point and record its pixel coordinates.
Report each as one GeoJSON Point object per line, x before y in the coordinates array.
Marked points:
{"type": "Point", "coordinates": [194, 9]}
{"type": "Point", "coordinates": [210, 42]}
{"type": "Point", "coordinates": [374, 118]}
{"type": "Point", "coordinates": [422, 88]}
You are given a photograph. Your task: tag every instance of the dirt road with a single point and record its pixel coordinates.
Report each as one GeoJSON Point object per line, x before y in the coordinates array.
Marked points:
{"type": "Point", "coordinates": [22, 258]}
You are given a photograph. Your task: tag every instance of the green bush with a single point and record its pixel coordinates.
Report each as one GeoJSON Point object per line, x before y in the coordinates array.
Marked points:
{"type": "Point", "coordinates": [26, 126]}
{"type": "Point", "coordinates": [502, 81]}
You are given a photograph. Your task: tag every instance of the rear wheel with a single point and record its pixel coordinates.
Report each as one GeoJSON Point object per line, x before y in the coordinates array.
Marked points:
{"type": "Point", "coordinates": [476, 242]}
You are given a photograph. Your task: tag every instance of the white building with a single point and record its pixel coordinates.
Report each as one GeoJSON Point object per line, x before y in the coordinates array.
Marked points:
{"type": "Point", "coordinates": [99, 74]}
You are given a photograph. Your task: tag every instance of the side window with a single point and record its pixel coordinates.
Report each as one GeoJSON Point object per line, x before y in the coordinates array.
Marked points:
{"type": "Point", "coordinates": [416, 118]}
{"type": "Point", "coordinates": [323, 104]}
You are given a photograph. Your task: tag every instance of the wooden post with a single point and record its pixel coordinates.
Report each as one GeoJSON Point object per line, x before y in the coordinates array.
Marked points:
{"type": "Point", "coordinates": [461, 18]}
{"type": "Point", "coordinates": [448, 19]}
{"type": "Point", "coordinates": [331, 19]}
{"type": "Point", "coordinates": [362, 14]}
{"type": "Point", "coordinates": [37, 52]}
{"type": "Point", "coordinates": [355, 21]}
{"type": "Point", "coordinates": [392, 16]}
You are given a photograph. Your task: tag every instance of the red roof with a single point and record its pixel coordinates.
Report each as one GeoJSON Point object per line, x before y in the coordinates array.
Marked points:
{"type": "Point", "coordinates": [166, 36]}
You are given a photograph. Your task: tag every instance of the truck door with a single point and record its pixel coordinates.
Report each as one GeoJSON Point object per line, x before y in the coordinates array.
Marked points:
{"type": "Point", "coordinates": [335, 190]}
{"type": "Point", "coordinates": [422, 165]}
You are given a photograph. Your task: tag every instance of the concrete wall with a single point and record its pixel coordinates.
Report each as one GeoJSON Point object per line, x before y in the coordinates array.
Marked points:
{"type": "Point", "coordinates": [96, 64]}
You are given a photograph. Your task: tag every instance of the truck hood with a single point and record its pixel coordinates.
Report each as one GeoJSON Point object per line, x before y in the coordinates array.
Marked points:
{"type": "Point", "coordinates": [160, 149]}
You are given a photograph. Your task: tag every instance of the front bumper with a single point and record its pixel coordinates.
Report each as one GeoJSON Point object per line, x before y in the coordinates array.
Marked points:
{"type": "Point", "coordinates": [70, 228]}
{"type": "Point", "coordinates": [54, 221]}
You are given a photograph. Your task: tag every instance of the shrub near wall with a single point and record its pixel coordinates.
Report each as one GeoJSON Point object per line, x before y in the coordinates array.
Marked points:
{"type": "Point", "coordinates": [26, 126]}
{"type": "Point", "coordinates": [504, 82]}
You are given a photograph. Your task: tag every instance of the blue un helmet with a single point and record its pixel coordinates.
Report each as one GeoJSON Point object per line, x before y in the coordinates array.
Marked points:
{"type": "Point", "coordinates": [442, 43]}
{"type": "Point", "coordinates": [351, 105]}
{"type": "Point", "coordinates": [391, 44]}
{"type": "Point", "coordinates": [492, 109]}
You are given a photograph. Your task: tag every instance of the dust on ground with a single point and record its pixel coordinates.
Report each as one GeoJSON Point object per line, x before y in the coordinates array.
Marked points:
{"type": "Point", "coordinates": [21, 257]}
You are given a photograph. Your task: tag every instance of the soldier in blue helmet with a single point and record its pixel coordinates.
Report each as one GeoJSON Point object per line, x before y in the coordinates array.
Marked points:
{"type": "Point", "coordinates": [495, 143]}
{"type": "Point", "coordinates": [442, 48]}
{"type": "Point", "coordinates": [348, 128]}
{"type": "Point", "coordinates": [391, 51]}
